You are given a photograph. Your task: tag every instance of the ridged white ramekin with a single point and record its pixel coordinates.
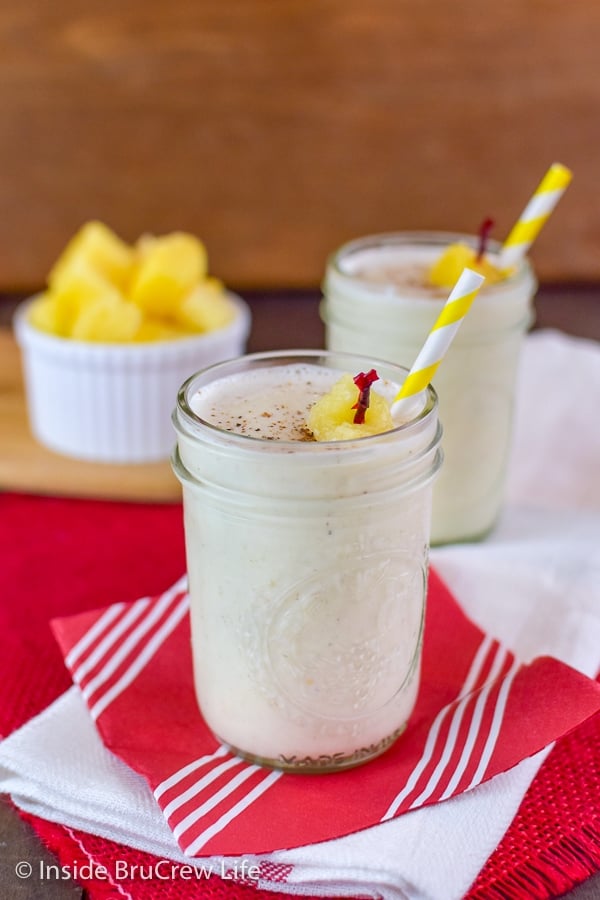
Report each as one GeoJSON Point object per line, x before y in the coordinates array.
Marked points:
{"type": "Point", "coordinates": [113, 402]}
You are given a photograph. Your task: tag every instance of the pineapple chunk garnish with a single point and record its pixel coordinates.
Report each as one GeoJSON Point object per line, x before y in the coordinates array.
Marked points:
{"type": "Point", "coordinates": [102, 249]}
{"type": "Point", "coordinates": [168, 269]}
{"type": "Point", "coordinates": [102, 289]}
{"type": "Point", "coordinates": [446, 270]}
{"type": "Point", "coordinates": [331, 418]}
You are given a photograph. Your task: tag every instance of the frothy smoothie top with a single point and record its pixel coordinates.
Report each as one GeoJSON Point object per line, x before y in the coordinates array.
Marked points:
{"type": "Point", "coordinates": [417, 269]}
{"type": "Point", "coordinates": [398, 267]}
{"type": "Point", "coordinates": [270, 404]}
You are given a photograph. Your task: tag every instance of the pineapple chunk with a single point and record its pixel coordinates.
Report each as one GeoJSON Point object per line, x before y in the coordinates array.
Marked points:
{"type": "Point", "coordinates": [101, 249]}
{"type": "Point", "coordinates": [43, 314]}
{"type": "Point", "coordinates": [79, 286]}
{"type": "Point", "coordinates": [107, 319]}
{"type": "Point", "coordinates": [156, 330]}
{"type": "Point", "coordinates": [446, 271]}
{"type": "Point", "coordinates": [206, 307]}
{"type": "Point", "coordinates": [102, 289]}
{"type": "Point", "coordinates": [331, 418]}
{"type": "Point", "coordinates": [167, 269]}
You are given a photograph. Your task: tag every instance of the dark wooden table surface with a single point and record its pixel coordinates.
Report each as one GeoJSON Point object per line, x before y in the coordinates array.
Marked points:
{"type": "Point", "coordinates": [281, 320]}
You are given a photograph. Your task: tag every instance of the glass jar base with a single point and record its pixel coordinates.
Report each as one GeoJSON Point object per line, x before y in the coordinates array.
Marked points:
{"type": "Point", "coordinates": [310, 765]}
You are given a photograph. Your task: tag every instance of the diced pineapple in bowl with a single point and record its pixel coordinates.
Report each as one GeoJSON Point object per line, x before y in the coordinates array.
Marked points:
{"type": "Point", "coordinates": [119, 328]}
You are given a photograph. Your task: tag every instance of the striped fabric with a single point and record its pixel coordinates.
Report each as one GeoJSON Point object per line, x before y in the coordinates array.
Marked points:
{"type": "Point", "coordinates": [479, 712]}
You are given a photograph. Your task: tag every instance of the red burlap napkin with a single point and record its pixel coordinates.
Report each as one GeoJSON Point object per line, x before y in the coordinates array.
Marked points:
{"type": "Point", "coordinates": [478, 714]}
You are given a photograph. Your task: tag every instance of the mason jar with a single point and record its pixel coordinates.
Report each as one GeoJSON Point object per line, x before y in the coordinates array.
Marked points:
{"type": "Point", "coordinates": [307, 564]}
{"type": "Point", "coordinates": [376, 300]}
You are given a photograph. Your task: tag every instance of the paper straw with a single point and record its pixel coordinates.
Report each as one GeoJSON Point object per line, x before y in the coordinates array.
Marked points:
{"type": "Point", "coordinates": [532, 219]}
{"type": "Point", "coordinates": [441, 336]}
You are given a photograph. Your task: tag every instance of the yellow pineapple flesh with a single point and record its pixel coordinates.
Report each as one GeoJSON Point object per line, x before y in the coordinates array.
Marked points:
{"type": "Point", "coordinates": [107, 320]}
{"type": "Point", "coordinates": [331, 418]}
{"type": "Point", "coordinates": [205, 308]}
{"type": "Point", "coordinates": [79, 286]}
{"type": "Point", "coordinates": [168, 269]}
{"type": "Point", "coordinates": [102, 249]}
{"type": "Point", "coordinates": [446, 270]}
{"type": "Point", "coordinates": [102, 289]}
{"type": "Point", "coordinates": [157, 330]}
{"type": "Point", "coordinates": [44, 314]}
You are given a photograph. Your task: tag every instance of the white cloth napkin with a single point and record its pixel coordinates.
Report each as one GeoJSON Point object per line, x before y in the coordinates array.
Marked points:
{"type": "Point", "coordinates": [534, 584]}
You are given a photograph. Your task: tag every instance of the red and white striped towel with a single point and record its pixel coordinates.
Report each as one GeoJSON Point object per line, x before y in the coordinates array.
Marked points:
{"type": "Point", "coordinates": [478, 714]}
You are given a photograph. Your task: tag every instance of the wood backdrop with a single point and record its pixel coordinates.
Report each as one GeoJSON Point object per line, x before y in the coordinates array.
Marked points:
{"type": "Point", "coordinates": [276, 129]}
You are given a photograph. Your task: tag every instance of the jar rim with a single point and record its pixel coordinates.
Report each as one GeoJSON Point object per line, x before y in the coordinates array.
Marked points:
{"type": "Point", "coordinates": [423, 239]}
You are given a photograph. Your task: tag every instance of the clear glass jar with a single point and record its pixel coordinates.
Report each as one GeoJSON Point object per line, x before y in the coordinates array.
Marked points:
{"type": "Point", "coordinates": [307, 566]}
{"type": "Point", "coordinates": [376, 301]}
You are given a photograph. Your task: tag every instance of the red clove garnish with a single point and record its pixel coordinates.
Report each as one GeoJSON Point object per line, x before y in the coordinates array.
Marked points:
{"type": "Point", "coordinates": [484, 235]}
{"type": "Point", "coordinates": [363, 382]}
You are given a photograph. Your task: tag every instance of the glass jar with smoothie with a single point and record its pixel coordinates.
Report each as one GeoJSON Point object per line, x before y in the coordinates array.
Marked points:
{"type": "Point", "coordinates": [379, 299]}
{"type": "Point", "coordinates": [307, 558]}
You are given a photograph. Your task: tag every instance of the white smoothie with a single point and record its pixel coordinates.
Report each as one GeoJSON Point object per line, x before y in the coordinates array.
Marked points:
{"type": "Point", "coordinates": [307, 563]}
{"type": "Point", "coordinates": [377, 301]}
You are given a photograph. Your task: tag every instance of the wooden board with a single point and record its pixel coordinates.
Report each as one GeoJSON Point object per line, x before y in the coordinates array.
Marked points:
{"type": "Point", "coordinates": [27, 466]}
{"type": "Point", "coordinates": [278, 130]}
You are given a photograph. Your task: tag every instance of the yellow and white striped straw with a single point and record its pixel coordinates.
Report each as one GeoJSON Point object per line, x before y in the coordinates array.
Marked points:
{"type": "Point", "coordinates": [534, 216]}
{"type": "Point", "coordinates": [440, 337]}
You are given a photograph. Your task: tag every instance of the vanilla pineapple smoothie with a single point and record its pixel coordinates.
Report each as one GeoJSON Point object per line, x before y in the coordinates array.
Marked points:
{"type": "Point", "coordinates": [377, 300]}
{"type": "Point", "coordinates": [307, 560]}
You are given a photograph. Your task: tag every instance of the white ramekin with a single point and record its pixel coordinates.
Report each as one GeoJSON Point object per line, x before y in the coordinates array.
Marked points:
{"type": "Point", "coordinates": [113, 402]}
